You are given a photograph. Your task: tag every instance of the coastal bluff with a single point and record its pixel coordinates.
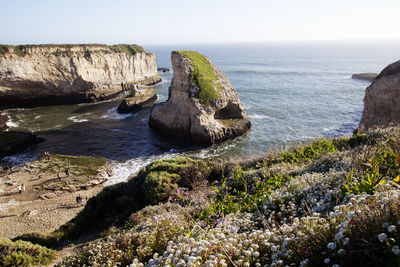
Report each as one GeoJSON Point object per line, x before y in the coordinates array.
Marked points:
{"type": "Point", "coordinates": [381, 99]}
{"type": "Point", "coordinates": [202, 105]}
{"type": "Point", "coordinates": [36, 75]}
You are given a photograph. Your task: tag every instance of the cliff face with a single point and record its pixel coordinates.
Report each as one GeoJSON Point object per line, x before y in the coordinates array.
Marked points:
{"type": "Point", "coordinates": [202, 104]}
{"type": "Point", "coordinates": [382, 97]}
{"type": "Point", "coordinates": [55, 74]}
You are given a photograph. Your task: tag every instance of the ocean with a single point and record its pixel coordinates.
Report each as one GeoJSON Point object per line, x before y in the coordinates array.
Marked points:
{"type": "Point", "coordinates": [291, 92]}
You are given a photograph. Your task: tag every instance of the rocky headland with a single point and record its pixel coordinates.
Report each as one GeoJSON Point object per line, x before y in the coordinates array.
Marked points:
{"type": "Point", "coordinates": [364, 76]}
{"type": "Point", "coordinates": [381, 99]}
{"type": "Point", "coordinates": [202, 105]}
{"type": "Point", "coordinates": [33, 75]}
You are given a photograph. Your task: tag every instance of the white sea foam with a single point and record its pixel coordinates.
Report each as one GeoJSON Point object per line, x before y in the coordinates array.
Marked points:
{"type": "Point", "coordinates": [37, 117]}
{"type": "Point", "coordinates": [122, 170]}
{"type": "Point", "coordinates": [113, 114]}
{"type": "Point", "coordinates": [258, 116]}
{"type": "Point", "coordinates": [76, 119]}
{"type": "Point", "coordinates": [11, 124]}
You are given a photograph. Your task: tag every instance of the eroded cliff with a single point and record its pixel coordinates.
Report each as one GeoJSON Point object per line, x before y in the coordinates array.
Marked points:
{"type": "Point", "coordinates": [34, 75]}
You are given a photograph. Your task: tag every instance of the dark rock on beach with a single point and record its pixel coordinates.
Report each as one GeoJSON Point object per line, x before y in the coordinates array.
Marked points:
{"type": "Point", "coordinates": [13, 141]}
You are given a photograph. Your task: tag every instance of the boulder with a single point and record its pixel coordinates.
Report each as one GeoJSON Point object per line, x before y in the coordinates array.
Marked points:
{"type": "Point", "coordinates": [364, 76]}
{"type": "Point", "coordinates": [382, 98]}
{"type": "Point", "coordinates": [138, 99]}
{"type": "Point", "coordinates": [202, 104]}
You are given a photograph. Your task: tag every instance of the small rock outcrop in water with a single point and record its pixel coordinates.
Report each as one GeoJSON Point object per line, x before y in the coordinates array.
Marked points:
{"type": "Point", "coordinates": [364, 76]}
{"type": "Point", "coordinates": [138, 99]}
{"type": "Point", "coordinates": [34, 75]}
{"type": "Point", "coordinates": [382, 97]}
{"type": "Point", "coordinates": [202, 104]}
{"type": "Point", "coordinates": [163, 69]}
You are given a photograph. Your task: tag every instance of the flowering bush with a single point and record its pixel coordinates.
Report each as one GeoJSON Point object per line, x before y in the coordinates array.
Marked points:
{"type": "Point", "coordinates": [331, 202]}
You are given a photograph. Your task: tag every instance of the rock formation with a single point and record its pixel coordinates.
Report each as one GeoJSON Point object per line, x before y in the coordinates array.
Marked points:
{"type": "Point", "coordinates": [382, 98]}
{"type": "Point", "coordinates": [35, 75]}
{"type": "Point", "coordinates": [13, 141]}
{"type": "Point", "coordinates": [138, 99]}
{"type": "Point", "coordinates": [364, 76]}
{"type": "Point", "coordinates": [3, 122]}
{"type": "Point", "coordinates": [202, 104]}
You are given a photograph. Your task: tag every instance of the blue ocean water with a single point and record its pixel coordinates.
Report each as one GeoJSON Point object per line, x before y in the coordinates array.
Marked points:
{"type": "Point", "coordinates": [292, 93]}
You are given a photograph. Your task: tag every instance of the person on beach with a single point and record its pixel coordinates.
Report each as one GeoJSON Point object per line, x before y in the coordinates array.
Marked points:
{"type": "Point", "coordinates": [20, 189]}
{"type": "Point", "coordinates": [58, 176]}
{"type": "Point", "coordinates": [67, 172]}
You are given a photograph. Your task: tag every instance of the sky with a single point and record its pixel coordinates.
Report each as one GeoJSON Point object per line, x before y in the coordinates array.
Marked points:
{"type": "Point", "coordinates": [152, 22]}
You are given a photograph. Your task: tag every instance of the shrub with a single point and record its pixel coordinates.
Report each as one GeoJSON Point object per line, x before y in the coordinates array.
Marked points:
{"type": "Point", "coordinates": [22, 253]}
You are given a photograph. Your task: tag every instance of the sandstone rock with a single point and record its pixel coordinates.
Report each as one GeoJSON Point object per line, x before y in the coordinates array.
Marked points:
{"type": "Point", "coordinates": [364, 76]}
{"type": "Point", "coordinates": [139, 99]}
{"type": "Point", "coordinates": [382, 97]}
{"type": "Point", "coordinates": [202, 104]}
{"type": "Point", "coordinates": [36, 75]}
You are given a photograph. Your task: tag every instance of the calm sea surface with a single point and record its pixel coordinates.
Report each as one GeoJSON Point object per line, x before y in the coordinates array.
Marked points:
{"type": "Point", "coordinates": [291, 93]}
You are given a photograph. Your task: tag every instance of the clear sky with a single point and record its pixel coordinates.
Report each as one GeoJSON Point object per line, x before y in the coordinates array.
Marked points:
{"type": "Point", "coordinates": [203, 21]}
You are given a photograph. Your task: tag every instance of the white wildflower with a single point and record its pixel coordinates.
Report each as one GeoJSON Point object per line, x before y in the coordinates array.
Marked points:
{"type": "Point", "coordinates": [391, 228]}
{"type": "Point", "coordinates": [341, 252]}
{"type": "Point", "coordinates": [332, 246]}
{"type": "Point", "coordinates": [327, 260]}
{"type": "Point", "coordinates": [382, 237]}
{"type": "Point", "coordinates": [339, 236]}
{"type": "Point", "coordinates": [396, 250]}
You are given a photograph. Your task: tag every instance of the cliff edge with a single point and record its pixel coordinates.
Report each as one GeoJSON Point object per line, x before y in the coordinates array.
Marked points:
{"type": "Point", "coordinates": [202, 104]}
{"type": "Point", "coordinates": [381, 99]}
{"type": "Point", "coordinates": [34, 75]}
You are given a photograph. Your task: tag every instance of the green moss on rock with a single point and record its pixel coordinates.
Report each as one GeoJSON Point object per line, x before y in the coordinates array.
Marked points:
{"type": "Point", "coordinates": [203, 76]}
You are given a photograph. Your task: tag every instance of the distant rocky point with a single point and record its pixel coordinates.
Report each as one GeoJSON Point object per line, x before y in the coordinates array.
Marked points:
{"type": "Point", "coordinates": [34, 75]}
{"type": "Point", "coordinates": [202, 105]}
{"type": "Point", "coordinates": [163, 69]}
{"type": "Point", "coordinates": [382, 97]}
{"type": "Point", "coordinates": [364, 76]}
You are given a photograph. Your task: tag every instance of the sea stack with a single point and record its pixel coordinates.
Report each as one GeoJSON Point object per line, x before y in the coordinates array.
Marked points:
{"type": "Point", "coordinates": [202, 105]}
{"type": "Point", "coordinates": [382, 98]}
{"type": "Point", "coordinates": [35, 75]}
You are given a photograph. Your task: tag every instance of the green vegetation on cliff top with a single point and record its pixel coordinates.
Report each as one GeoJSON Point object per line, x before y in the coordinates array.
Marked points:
{"type": "Point", "coordinates": [203, 76]}
{"type": "Point", "coordinates": [21, 50]}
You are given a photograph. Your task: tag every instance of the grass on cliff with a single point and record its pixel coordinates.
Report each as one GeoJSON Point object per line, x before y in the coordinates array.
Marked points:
{"type": "Point", "coordinates": [203, 76]}
{"type": "Point", "coordinates": [128, 49]}
{"type": "Point", "coordinates": [21, 50]}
